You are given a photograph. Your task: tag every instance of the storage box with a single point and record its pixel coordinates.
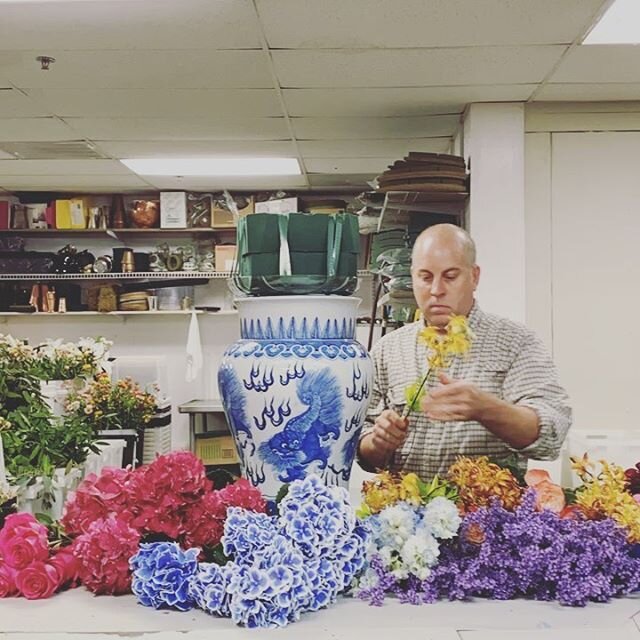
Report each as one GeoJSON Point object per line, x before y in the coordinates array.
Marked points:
{"type": "Point", "coordinates": [281, 205]}
{"type": "Point", "coordinates": [78, 212]}
{"type": "Point", "coordinates": [225, 255]}
{"type": "Point", "coordinates": [63, 214]}
{"type": "Point", "coordinates": [222, 216]}
{"type": "Point", "coordinates": [216, 450]}
{"type": "Point", "coordinates": [173, 209]}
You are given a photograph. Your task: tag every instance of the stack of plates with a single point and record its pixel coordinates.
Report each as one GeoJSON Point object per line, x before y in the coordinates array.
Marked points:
{"type": "Point", "coordinates": [432, 172]}
{"type": "Point", "coordinates": [134, 301]}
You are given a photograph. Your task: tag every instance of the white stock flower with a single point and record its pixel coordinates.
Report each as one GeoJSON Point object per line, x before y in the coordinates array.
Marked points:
{"type": "Point", "coordinates": [441, 518]}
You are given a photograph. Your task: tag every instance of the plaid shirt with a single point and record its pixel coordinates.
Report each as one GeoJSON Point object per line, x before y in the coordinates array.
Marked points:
{"type": "Point", "coordinates": [506, 359]}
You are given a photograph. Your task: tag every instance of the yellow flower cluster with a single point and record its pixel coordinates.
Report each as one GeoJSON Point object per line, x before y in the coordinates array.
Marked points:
{"type": "Point", "coordinates": [455, 340]}
{"type": "Point", "coordinates": [604, 495]}
{"type": "Point", "coordinates": [443, 346]}
{"type": "Point", "coordinates": [479, 481]}
{"type": "Point", "coordinates": [388, 488]}
{"type": "Point", "coordinates": [5, 425]}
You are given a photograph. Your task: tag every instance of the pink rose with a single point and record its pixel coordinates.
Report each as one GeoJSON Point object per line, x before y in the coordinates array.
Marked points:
{"type": "Point", "coordinates": [7, 580]}
{"type": "Point", "coordinates": [38, 580]}
{"type": "Point", "coordinates": [67, 566]}
{"type": "Point", "coordinates": [535, 476]}
{"type": "Point", "coordinates": [23, 540]}
{"type": "Point", "coordinates": [549, 496]}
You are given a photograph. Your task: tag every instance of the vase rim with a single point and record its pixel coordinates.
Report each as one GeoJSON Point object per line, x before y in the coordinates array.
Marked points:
{"type": "Point", "coordinates": [301, 298]}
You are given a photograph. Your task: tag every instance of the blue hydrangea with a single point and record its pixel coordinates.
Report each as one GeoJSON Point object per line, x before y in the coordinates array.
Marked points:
{"type": "Point", "coordinates": [246, 532]}
{"type": "Point", "coordinates": [315, 516]}
{"type": "Point", "coordinates": [272, 590]}
{"type": "Point", "coordinates": [209, 588]}
{"type": "Point", "coordinates": [161, 575]}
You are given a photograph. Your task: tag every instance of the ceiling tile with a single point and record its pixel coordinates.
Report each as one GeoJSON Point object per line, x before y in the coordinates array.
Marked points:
{"type": "Point", "coordinates": [62, 168]}
{"type": "Point", "coordinates": [179, 129]}
{"type": "Point", "coordinates": [394, 101]}
{"type": "Point", "coordinates": [37, 129]}
{"type": "Point", "coordinates": [415, 23]}
{"type": "Point", "coordinates": [84, 184]}
{"type": "Point", "coordinates": [415, 67]}
{"type": "Point", "coordinates": [353, 128]}
{"type": "Point", "coordinates": [588, 92]}
{"type": "Point", "coordinates": [14, 104]}
{"type": "Point", "coordinates": [232, 182]}
{"type": "Point", "coordinates": [123, 24]}
{"type": "Point", "coordinates": [372, 148]}
{"type": "Point", "coordinates": [156, 103]}
{"type": "Point", "coordinates": [161, 69]}
{"type": "Point", "coordinates": [195, 148]}
{"type": "Point", "coordinates": [347, 165]}
{"type": "Point", "coordinates": [601, 64]}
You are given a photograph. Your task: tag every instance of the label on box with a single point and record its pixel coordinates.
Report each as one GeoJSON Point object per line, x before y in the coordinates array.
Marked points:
{"type": "Point", "coordinates": [283, 205]}
{"type": "Point", "coordinates": [173, 210]}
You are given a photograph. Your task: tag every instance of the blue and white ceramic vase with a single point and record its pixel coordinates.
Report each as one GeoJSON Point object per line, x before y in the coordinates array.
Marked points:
{"type": "Point", "coordinates": [295, 389]}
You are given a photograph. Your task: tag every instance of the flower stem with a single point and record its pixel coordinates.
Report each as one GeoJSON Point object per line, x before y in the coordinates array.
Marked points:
{"type": "Point", "coordinates": [409, 406]}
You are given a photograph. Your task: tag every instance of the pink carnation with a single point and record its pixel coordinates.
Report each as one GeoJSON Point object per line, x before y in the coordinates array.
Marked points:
{"type": "Point", "coordinates": [97, 498]}
{"type": "Point", "coordinates": [103, 553]}
{"type": "Point", "coordinates": [37, 581]}
{"type": "Point", "coordinates": [23, 540]}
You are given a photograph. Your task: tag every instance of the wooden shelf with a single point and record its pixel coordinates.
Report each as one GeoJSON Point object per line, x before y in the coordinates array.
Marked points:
{"type": "Point", "coordinates": [111, 232]}
{"type": "Point", "coordinates": [113, 314]}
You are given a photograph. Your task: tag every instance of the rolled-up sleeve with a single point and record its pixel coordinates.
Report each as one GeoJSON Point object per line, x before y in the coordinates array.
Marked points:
{"type": "Point", "coordinates": [532, 381]}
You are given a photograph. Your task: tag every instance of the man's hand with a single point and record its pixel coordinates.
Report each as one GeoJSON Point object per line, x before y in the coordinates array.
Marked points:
{"type": "Point", "coordinates": [389, 432]}
{"type": "Point", "coordinates": [455, 400]}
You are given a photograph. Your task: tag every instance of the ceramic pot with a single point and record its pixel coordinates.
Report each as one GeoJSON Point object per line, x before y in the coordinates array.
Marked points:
{"type": "Point", "coordinates": [295, 389]}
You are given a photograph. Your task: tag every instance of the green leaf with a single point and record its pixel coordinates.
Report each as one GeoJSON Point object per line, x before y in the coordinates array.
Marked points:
{"type": "Point", "coordinates": [284, 490]}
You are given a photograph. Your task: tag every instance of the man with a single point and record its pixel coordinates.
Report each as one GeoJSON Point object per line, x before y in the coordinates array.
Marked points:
{"type": "Point", "coordinates": [502, 398]}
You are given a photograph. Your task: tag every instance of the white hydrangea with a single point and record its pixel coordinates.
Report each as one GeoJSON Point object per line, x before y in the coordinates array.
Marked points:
{"type": "Point", "coordinates": [396, 523]}
{"type": "Point", "coordinates": [419, 553]}
{"type": "Point", "coordinates": [441, 518]}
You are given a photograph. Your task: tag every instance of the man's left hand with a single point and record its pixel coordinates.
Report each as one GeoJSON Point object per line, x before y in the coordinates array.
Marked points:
{"type": "Point", "coordinates": [455, 400]}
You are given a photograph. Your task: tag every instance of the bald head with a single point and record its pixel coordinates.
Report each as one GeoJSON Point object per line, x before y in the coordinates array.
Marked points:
{"type": "Point", "coordinates": [449, 236]}
{"type": "Point", "coordinates": [444, 273]}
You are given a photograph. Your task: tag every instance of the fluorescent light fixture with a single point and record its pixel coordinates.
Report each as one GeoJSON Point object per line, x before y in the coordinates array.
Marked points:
{"type": "Point", "coordinates": [619, 25]}
{"type": "Point", "coordinates": [213, 166]}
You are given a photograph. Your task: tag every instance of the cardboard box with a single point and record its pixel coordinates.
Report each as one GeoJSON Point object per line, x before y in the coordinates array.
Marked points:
{"type": "Point", "coordinates": [223, 218]}
{"type": "Point", "coordinates": [225, 255]}
{"type": "Point", "coordinates": [173, 210]}
{"type": "Point", "coordinates": [63, 214]}
{"type": "Point", "coordinates": [215, 450]}
{"type": "Point", "coordinates": [282, 205]}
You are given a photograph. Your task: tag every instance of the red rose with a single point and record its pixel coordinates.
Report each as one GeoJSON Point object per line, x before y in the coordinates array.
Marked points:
{"type": "Point", "coordinates": [38, 580]}
{"type": "Point", "coordinates": [7, 581]}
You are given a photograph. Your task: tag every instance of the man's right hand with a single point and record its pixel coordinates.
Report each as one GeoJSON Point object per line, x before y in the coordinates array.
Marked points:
{"type": "Point", "coordinates": [389, 432]}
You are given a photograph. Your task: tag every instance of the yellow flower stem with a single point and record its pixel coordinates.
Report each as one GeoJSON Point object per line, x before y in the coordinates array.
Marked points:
{"type": "Point", "coordinates": [409, 406]}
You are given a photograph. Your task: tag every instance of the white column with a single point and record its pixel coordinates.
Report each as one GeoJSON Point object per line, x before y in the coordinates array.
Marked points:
{"type": "Point", "coordinates": [494, 146]}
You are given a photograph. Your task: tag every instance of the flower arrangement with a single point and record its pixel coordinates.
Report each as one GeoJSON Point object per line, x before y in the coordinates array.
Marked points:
{"type": "Point", "coordinates": [443, 346]}
{"type": "Point", "coordinates": [112, 405]}
{"type": "Point", "coordinates": [407, 519]}
{"type": "Point", "coordinates": [28, 567]}
{"type": "Point", "coordinates": [58, 360]}
{"type": "Point", "coordinates": [278, 566]}
{"type": "Point", "coordinates": [514, 540]}
{"type": "Point", "coordinates": [110, 515]}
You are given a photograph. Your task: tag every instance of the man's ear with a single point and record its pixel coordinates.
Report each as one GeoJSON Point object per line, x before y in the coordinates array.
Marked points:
{"type": "Point", "coordinates": [476, 276]}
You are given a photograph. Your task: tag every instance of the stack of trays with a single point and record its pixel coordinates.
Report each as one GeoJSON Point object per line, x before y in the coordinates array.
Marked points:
{"type": "Point", "coordinates": [134, 301]}
{"type": "Point", "coordinates": [431, 172]}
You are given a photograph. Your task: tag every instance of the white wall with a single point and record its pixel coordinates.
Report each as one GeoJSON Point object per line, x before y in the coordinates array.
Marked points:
{"type": "Point", "coordinates": [583, 260]}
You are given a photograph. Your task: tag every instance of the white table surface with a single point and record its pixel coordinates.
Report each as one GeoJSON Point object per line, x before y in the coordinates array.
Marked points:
{"type": "Point", "coordinates": [78, 615]}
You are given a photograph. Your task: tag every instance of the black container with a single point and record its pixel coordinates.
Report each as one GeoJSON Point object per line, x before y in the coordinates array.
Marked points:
{"type": "Point", "coordinates": [141, 261]}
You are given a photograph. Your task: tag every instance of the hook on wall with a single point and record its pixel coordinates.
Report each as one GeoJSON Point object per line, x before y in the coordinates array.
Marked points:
{"type": "Point", "coordinates": [45, 61]}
